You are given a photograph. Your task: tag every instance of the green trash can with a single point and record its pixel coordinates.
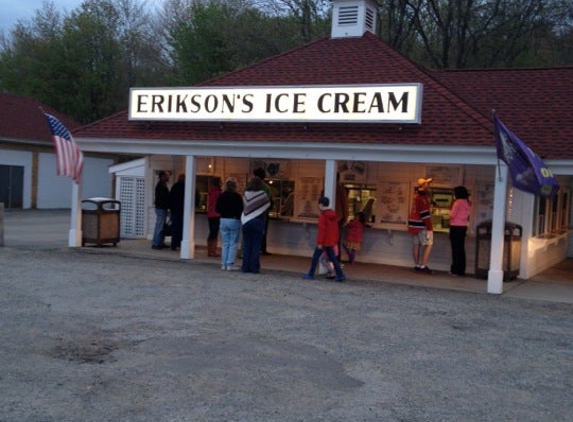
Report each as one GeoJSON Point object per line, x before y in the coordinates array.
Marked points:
{"type": "Point", "coordinates": [511, 250]}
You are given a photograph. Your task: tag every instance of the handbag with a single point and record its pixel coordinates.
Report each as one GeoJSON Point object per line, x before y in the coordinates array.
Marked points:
{"type": "Point", "coordinates": [166, 227]}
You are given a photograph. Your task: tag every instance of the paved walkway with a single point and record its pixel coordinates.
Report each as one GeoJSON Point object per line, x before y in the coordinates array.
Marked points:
{"type": "Point", "coordinates": [49, 229]}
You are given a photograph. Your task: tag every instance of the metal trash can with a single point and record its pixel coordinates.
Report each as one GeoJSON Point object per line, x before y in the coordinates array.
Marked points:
{"type": "Point", "coordinates": [511, 250]}
{"type": "Point", "coordinates": [100, 221]}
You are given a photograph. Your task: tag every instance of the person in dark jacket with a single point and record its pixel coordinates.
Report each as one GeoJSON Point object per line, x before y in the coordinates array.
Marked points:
{"type": "Point", "coordinates": [262, 174]}
{"type": "Point", "coordinates": [177, 204]}
{"type": "Point", "coordinates": [161, 209]}
{"type": "Point", "coordinates": [326, 238]}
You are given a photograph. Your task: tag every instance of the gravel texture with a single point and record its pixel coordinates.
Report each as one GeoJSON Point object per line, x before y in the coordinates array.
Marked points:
{"type": "Point", "coordinates": [87, 337]}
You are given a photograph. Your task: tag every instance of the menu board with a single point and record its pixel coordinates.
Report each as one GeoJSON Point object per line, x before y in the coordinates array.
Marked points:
{"type": "Point", "coordinates": [444, 175]}
{"type": "Point", "coordinates": [393, 203]}
{"type": "Point", "coordinates": [484, 202]}
{"type": "Point", "coordinates": [308, 191]}
{"type": "Point", "coordinates": [352, 171]}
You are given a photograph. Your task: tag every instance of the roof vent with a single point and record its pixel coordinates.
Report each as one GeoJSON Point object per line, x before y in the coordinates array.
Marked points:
{"type": "Point", "coordinates": [352, 18]}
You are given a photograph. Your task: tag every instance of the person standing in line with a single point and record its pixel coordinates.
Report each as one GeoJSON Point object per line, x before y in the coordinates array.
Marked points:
{"type": "Point", "coordinates": [354, 236]}
{"type": "Point", "coordinates": [229, 206]}
{"type": "Point", "coordinates": [326, 238]}
{"type": "Point", "coordinates": [459, 216]}
{"type": "Point", "coordinates": [420, 226]}
{"type": "Point", "coordinates": [161, 209]}
{"type": "Point", "coordinates": [213, 216]}
{"type": "Point", "coordinates": [341, 209]}
{"type": "Point", "coordinates": [177, 205]}
{"type": "Point", "coordinates": [262, 174]}
{"type": "Point", "coordinates": [255, 204]}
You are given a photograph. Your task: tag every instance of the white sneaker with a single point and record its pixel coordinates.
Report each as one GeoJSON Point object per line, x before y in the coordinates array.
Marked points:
{"type": "Point", "coordinates": [223, 267]}
{"type": "Point", "coordinates": [232, 268]}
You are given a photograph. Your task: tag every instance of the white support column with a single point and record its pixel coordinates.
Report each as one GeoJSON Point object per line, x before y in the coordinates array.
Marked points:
{"type": "Point", "coordinates": [495, 274]}
{"type": "Point", "coordinates": [330, 181]}
{"type": "Point", "coordinates": [75, 234]}
{"type": "Point", "coordinates": [188, 241]}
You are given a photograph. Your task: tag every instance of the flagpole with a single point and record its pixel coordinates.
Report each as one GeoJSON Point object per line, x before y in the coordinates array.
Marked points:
{"type": "Point", "coordinates": [495, 274]}
{"type": "Point", "coordinates": [75, 234]}
{"type": "Point", "coordinates": [493, 113]}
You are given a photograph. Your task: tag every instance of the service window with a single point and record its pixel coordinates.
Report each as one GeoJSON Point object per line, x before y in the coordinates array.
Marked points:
{"type": "Point", "coordinates": [551, 216]}
{"type": "Point", "coordinates": [361, 198]}
{"type": "Point", "coordinates": [202, 183]}
{"type": "Point", "coordinates": [282, 193]}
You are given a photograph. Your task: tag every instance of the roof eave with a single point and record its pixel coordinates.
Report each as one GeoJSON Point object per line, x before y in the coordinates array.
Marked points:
{"type": "Point", "coordinates": [406, 153]}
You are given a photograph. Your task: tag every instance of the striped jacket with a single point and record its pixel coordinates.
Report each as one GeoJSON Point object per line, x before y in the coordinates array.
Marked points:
{"type": "Point", "coordinates": [420, 215]}
{"type": "Point", "coordinates": [254, 204]}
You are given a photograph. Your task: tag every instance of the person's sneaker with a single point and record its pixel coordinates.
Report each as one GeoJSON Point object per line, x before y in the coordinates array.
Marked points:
{"type": "Point", "coordinates": [340, 279]}
{"type": "Point", "coordinates": [266, 253]}
{"type": "Point", "coordinates": [307, 277]}
{"type": "Point", "coordinates": [426, 270]}
{"type": "Point", "coordinates": [232, 268]}
{"type": "Point", "coordinates": [330, 276]}
{"type": "Point", "coordinates": [223, 267]}
{"type": "Point", "coordinates": [417, 268]}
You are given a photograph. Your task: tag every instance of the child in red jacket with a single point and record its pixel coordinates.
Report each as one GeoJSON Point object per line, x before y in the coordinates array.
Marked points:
{"type": "Point", "coordinates": [326, 239]}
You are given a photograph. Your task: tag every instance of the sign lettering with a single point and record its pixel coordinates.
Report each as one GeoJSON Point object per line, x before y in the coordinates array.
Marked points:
{"type": "Point", "coordinates": [346, 103]}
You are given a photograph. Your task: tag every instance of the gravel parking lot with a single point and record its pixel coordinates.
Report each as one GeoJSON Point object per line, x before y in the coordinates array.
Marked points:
{"type": "Point", "coordinates": [91, 337]}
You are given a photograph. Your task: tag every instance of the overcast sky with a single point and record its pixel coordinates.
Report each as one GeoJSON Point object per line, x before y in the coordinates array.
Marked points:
{"type": "Point", "coordinates": [13, 10]}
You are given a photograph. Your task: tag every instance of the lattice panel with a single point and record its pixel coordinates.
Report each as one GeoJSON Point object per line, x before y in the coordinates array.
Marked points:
{"type": "Point", "coordinates": [132, 197]}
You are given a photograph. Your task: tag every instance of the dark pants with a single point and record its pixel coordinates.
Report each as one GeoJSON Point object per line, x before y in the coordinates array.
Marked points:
{"type": "Point", "coordinates": [176, 228]}
{"type": "Point", "coordinates": [265, 230]}
{"type": "Point", "coordinates": [252, 239]}
{"type": "Point", "coordinates": [331, 256]}
{"type": "Point", "coordinates": [214, 223]}
{"type": "Point", "coordinates": [458, 244]}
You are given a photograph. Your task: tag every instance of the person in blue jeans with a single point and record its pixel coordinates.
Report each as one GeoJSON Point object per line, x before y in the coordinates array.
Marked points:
{"type": "Point", "coordinates": [229, 206]}
{"type": "Point", "coordinates": [326, 240]}
{"type": "Point", "coordinates": [161, 209]}
{"type": "Point", "coordinates": [255, 203]}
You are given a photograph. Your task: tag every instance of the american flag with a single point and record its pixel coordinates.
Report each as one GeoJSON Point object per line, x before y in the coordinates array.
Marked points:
{"type": "Point", "coordinates": [70, 160]}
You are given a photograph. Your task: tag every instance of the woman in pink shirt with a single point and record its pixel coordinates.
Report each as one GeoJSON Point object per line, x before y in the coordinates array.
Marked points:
{"type": "Point", "coordinates": [459, 216]}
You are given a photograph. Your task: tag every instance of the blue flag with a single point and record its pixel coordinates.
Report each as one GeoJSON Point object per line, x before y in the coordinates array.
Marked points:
{"type": "Point", "coordinates": [528, 171]}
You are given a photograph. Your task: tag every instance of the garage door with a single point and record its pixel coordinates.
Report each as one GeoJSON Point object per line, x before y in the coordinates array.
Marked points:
{"type": "Point", "coordinates": [11, 186]}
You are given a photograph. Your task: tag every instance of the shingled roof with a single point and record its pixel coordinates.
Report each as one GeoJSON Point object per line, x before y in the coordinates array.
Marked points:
{"type": "Point", "coordinates": [22, 119]}
{"type": "Point", "coordinates": [535, 104]}
{"type": "Point", "coordinates": [453, 112]}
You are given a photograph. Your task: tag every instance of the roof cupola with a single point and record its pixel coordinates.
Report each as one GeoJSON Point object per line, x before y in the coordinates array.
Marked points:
{"type": "Point", "coordinates": [353, 18]}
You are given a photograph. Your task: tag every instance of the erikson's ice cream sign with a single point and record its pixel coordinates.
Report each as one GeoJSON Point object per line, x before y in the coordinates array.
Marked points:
{"type": "Point", "coordinates": [345, 103]}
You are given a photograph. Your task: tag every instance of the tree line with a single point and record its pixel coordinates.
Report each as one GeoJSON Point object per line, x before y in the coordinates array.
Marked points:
{"type": "Point", "coordinates": [84, 61]}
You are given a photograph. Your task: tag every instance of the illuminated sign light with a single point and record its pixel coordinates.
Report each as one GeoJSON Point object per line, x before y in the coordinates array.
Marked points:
{"type": "Point", "coordinates": [346, 103]}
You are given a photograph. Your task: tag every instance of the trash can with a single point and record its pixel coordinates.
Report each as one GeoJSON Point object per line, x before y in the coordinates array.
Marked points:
{"type": "Point", "coordinates": [100, 221]}
{"type": "Point", "coordinates": [511, 250]}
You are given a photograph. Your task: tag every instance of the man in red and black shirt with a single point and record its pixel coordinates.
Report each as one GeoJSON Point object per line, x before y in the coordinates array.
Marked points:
{"type": "Point", "coordinates": [420, 225]}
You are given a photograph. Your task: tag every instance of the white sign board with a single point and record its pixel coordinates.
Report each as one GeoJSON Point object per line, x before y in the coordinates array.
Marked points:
{"type": "Point", "coordinates": [346, 103]}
